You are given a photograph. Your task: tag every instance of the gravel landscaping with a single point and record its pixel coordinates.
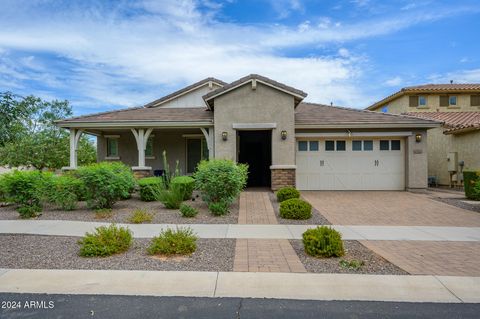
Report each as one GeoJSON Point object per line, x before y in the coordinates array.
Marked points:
{"type": "Point", "coordinates": [374, 264]}
{"type": "Point", "coordinates": [55, 252]}
{"type": "Point", "coordinates": [316, 219]}
{"type": "Point", "coordinates": [453, 197]}
{"type": "Point", "coordinates": [123, 209]}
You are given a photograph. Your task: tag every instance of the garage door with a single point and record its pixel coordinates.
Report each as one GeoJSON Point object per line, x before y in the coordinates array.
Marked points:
{"type": "Point", "coordinates": [342, 164]}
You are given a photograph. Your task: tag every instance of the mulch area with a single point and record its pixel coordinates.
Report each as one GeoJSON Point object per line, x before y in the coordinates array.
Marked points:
{"type": "Point", "coordinates": [374, 264]}
{"type": "Point", "coordinates": [316, 219]}
{"type": "Point", "coordinates": [56, 252]}
{"type": "Point", "coordinates": [122, 211]}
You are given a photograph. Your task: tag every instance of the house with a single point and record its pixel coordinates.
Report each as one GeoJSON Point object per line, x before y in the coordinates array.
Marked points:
{"type": "Point", "coordinates": [264, 123]}
{"type": "Point", "coordinates": [454, 146]}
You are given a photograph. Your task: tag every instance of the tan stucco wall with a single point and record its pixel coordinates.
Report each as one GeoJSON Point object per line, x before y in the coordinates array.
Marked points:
{"type": "Point", "coordinates": [439, 145]}
{"type": "Point", "coordinates": [191, 99]}
{"type": "Point", "coordinates": [263, 105]}
{"type": "Point", "coordinates": [416, 161]}
{"type": "Point", "coordinates": [171, 141]}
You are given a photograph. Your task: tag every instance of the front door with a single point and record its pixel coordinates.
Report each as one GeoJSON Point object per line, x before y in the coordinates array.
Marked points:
{"type": "Point", "coordinates": [255, 149]}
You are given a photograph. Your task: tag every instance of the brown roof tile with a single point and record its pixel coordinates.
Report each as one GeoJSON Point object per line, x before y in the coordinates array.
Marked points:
{"type": "Point", "coordinates": [453, 121]}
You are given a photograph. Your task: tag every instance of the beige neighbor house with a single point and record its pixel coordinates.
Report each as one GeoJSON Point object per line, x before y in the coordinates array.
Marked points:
{"type": "Point", "coordinates": [265, 124]}
{"type": "Point", "coordinates": [456, 145]}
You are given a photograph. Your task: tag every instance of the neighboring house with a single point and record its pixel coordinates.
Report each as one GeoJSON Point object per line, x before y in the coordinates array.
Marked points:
{"type": "Point", "coordinates": [454, 146]}
{"type": "Point", "coordinates": [264, 123]}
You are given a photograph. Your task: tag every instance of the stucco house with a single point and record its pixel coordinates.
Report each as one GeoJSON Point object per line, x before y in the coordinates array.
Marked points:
{"type": "Point", "coordinates": [455, 145]}
{"type": "Point", "coordinates": [264, 123]}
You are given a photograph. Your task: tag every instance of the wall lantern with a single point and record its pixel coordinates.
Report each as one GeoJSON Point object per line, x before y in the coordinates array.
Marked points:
{"type": "Point", "coordinates": [224, 136]}
{"type": "Point", "coordinates": [283, 134]}
{"type": "Point", "coordinates": [418, 138]}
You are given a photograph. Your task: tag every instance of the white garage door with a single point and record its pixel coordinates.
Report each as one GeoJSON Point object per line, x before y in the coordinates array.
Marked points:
{"type": "Point", "coordinates": [359, 164]}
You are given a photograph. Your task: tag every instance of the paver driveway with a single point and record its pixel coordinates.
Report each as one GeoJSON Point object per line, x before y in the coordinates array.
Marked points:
{"type": "Point", "coordinates": [388, 208]}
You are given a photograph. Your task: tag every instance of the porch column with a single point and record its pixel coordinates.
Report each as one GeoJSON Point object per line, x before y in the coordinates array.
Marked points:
{"type": "Point", "coordinates": [74, 138]}
{"type": "Point", "coordinates": [209, 138]}
{"type": "Point", "coordinates": [141, 136]}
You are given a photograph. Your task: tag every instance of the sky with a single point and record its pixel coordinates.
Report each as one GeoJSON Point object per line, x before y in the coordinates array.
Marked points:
{"type": "Point", "coordinates": [104, 55]}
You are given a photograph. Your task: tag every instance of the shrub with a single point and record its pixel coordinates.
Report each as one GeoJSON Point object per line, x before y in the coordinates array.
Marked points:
{"type": "Point", "coordinates": [150, 188]}
{"type": "Point", "coordinates": [140, 216]}
{"type": "Point", "coordinates": [323, 241]}
{"type": "Point", "coordinates": [63, 191]}
{"type": "Point", "coordinates": [220, 181]}
{"type": "Point", "coordinates": [24, 188]}
{"type": "Point", "coordinates": [351, 264]}
{"type": "Point", "coordinates": [171, 198]}
{"type": "Point", "coordinates": [3, 191]}
{"type": "Point", "coordinates": [219, 208]}
{"type": "Point", "coordinates": [188, 211]}
{"type": "Point", "coordinates": [476, 190]}
{"type": "Point", "coordinates": [106, 183]}
{"type": "Point", "coordinates": [287, 193]}
{"type": "Point", "coordinates": [185, 183]}
{"type": "Point", "coordinates": [174, 242]}
{"type": "Point", "coordinates": [105, 241]}
{"type": "Point", "coordinates": [470, 178]}
{"type": "Point", "coordinates": [295, 208]}
{"type": "Point", "coordinates": [103, 213]}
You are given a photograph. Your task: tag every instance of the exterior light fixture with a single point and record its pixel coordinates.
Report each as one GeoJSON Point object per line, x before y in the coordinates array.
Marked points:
{"type": "Point", "coordinates": [224, 136]}
{"type": "Point", "coordinates": [418, 138]}
{"type": "Point", "coordinates": [283, 134]}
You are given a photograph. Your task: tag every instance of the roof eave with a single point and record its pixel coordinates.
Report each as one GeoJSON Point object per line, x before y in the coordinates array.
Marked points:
{"type": "Point", "coordinates": [366, 125]}
{"type": "Point", "coordinates": [132, 124]}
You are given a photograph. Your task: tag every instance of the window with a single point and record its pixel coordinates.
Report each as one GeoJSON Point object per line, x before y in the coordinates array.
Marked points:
{"type": "Point", "coordinates": [149, 148]}
{"type": "Point", "coordinates": [452, 100]}
{"type": "Point", "coordinates": [422, 100]}
{"type": "Point", "coordinates": [368, 145]}
{"type": "Point", "coordinates": [395, 145]}
{"type": "Point", "coordinates": [475, 100]}
{"type": "Point", "coordinates": [313, 145]}
{"type": "Point", "coordinates": [384, 145]}
{"type": "Point", "coordinates": [413, 101]}
{"type": "Point", "coordinates": [197, 150]}
{"type": "Point", "coordinates": [341, 146]}
{"type": "Point", "coordinates": [329, 145]}
{"type": "Point", "coordinates": [443, 100]}
{"type": "Point", "coordinates": [385, 109]}
{"type": "Point", "coordinates": [356, 145]}
{"type": "Point", "coordinates": [112, 147]}
{"type": "Point", "coordinates": [302, 146]}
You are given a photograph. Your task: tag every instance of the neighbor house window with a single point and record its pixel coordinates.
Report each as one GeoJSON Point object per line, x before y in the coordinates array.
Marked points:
{"type": "Point", "coordinates": [475, 100]}
{"type": "Point", "coordinates": [329, 145]}
{"type": "Point", "coordinates": [341, 146]}
{"type": "Point", "coordinates": [384, 145]}
{"type": "Point", "coordinates": [149, 148]}
{"type": "Point", "coordinates": [313, 145]}
{"type": "Point", "coordinates": [422, 100]}
{"type": "Point", "coordinates": [112, 147]}
{"type": "Point", "coordinates": [368, 145]}
{"type": "Point", "coordinates": [356, 145]}
{"type": "Point", "coordinates": [302, 146]}
{"type": "Point", "coordinates": [395, 145]}
{"type": "Point", "coordinates": [443, 100]}
{"type": "Point", "coordinates": [385, 109]}
{"type": "Point", "coordinates": [452, 100]}
{"type": "Point", "coordinates": [413, 100]}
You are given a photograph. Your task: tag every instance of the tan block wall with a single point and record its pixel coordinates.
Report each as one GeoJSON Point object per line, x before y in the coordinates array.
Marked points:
{"type": "Point", "coordinates": [416, 161]}
{"type": "Point", "coordinates": [263, 105]}
{"type": "Point", "coordinates": [439, 145]}
{"type": "Point", "coordinates": [282, 178]}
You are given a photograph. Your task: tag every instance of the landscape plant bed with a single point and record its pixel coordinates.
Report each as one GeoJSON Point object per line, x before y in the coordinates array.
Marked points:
{"type": "Point", "coordinates": [460, 203]}
{"type": "Point", "coordinates": [122, 211]}
{"type": "Point", "coordinates": [316, 219]}
{"type": "Point", "coordinates": [373, 263]}
{"type": "Point", "coordinates": [58, 252]}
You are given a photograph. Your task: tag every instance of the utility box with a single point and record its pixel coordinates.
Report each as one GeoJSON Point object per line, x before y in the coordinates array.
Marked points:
{"type": "Point", "coordinates": [452, 159]}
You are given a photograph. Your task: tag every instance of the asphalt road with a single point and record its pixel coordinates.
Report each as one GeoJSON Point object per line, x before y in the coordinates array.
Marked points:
{"type": "Point", "coordinates": [119, 307]}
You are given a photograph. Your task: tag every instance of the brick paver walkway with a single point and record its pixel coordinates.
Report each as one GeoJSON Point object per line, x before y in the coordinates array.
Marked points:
{"type": "Point", "coordinates": [388, 208]}
{"type": "Point", "coordinates": [262, 255]}
{"type": "Point", "coordinates": [431, 257]}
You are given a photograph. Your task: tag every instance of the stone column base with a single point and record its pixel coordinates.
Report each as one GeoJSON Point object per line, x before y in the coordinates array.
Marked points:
{"type": "Point", "coordinates": [282, 176]}
{"type": "Point", "coordinates": [142, 172]}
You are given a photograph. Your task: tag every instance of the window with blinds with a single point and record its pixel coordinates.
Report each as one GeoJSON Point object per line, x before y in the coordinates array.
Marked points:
{"type": "Point", "coordinates": [444, 101]}
{"type": "Point", "coordinates": [413, 101]}
{"type": "Point", "coordinates": [475, 100]}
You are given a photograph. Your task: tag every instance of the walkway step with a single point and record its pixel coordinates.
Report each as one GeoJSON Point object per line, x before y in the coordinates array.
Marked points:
{"type": "Point", "coordinates": [256, 208]}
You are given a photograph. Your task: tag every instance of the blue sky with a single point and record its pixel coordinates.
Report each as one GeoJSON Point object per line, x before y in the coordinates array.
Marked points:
{"type": "Point", "coordinates": [103, 55]}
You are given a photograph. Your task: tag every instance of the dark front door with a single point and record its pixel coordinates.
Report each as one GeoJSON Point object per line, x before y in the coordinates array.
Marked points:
{"type": "Point", "coordinates": [255, 149]}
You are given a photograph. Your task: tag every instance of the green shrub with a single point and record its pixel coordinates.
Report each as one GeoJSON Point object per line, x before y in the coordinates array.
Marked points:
{"type": "Point", "coordinates": [351, 264]}
{"type": "Point", "coordinates": [150, 188]}
{"type": "Point", "coordinates": [63, 191]}
{"type": "Point", "coordinates": [295, 208]}
{"type": "Point", "coordinates": [3, 190]}
{"type": "Point", "coordinates": [188, 211]}
{"type": "Point", "coordinates": [470, 179]}
{"type": "Point", "coordinates": [219, 208]}
{"type": "Point", "coordinates": [140, 216]}
{"type": "Point", "coordinates": [476, 190]}
{"type": "Point", "coordinates": [186, 183]}
{"type": "Point", "coordinates": [171, 198]}
{"type": "Point", "coordinates": [174, 242]}
{"type": "Point", "coordinates": [106, 183]}
{"type": "Point", "coordinates": [103, 213]}
{"type": "Point", "coordinates": [323, 241]}
{"type": "Point", "coordinates": [287, 193]}
{"type": "Point", "coordinates": [220, 181]}
{"type": "Point", "coordinates": [105, 241]}
{"type": "Point", "coordinates": [24, 188]}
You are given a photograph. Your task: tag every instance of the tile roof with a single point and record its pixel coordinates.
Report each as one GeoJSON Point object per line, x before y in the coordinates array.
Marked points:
{"type": "Point", "coordinates": [429, 88]}
{"type": "Point", "coordinates": [319, 114]}
{"type": "Point", "coordinates": [454, 122]}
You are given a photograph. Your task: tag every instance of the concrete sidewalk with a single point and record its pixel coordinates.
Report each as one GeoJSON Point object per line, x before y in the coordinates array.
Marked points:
{"type": "Point", "coordinates": [255, 285]}
{"type": "Point", "coordinates": [76, 228]}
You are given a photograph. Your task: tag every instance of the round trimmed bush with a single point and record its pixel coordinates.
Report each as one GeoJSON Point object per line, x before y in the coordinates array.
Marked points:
{"type": "Point", "coordinates": [185, 184]}
{"type": "Point", "coordinates": [150, 188]}
{"type": "Point", "coordinates": [106, 241]}
{"type": "Point", "coordinates": [287, 193]}
{"type": "Point", "coordinates": [188, 211]}
{"type": "Point", "coordinates": [295, 208]}
{"type": "Point", "coordinates": [181, 241]}
{"type": "Point", "coordinates": [323, 241]}
{"type": "Point", "coordinates": [63, 191]}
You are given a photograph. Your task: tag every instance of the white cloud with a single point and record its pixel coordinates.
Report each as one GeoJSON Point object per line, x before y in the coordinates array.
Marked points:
{"type": "Point", "coordinates": [395, 81]}
{"type": "Point", "coordinates": [461, 76]}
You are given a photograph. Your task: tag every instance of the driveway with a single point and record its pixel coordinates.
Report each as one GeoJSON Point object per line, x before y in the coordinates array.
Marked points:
{"type": "Point", "coordinates": [388, 209]}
